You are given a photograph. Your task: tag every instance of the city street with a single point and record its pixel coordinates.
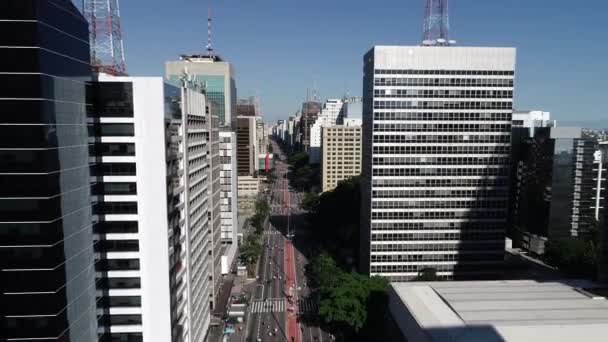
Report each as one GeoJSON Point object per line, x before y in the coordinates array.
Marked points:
{"type": "Point", "coordinates": [281, 308]}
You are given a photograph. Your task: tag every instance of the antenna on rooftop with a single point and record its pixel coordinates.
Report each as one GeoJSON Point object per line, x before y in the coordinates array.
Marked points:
{"type": "Point", "coordinates": [209, 46]}
{"type": "Point", "coordinates": [437, 24]}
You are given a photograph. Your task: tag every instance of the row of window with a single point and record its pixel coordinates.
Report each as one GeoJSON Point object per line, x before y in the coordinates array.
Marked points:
{"type": "Point", "coordinates": [440, 161]}
{"type": "Point", "coordinates": [423, 247]}
{"type": "Point", "coordinates": [436, 257]}
{"type": "Point", "coordinates": [478, 203]}
{"type": "Point", "coordinates": [443, 149]}
{"type": "Point", "coordinates": [470, 235]}
{"type": "Point", "coordinates": [466, 225]}
{"type": "Point", "coordinates": [474, 267]}
{"type": "Point", "coordinates": [442, 116]}
{"type": "Point", "coordinates": [472, 139]}
{"type": "Point", "coordinates": [438, 193]}
{"type": "Point", "coordinates": [442, 93]}
{"type": "Point", "coordinates": [444, 72]}
{"type": "Point", "coordinates": [442, 127]}
{"type": "Point", "coordinates": [441, 215]}
{"type": "Point", "coordinates": [394, 172]}
{"type": "Point", "coordinates": [443, 82]}
{"type": "Point", "coordinates": [443, 105]}
{"type": "Point", "coordinates": [424, 183]}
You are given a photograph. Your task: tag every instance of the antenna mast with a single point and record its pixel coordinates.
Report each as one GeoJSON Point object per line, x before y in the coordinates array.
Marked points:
{"type": "Point", "coordinates": [437, 23]}
{"type": "Point", "coordinates": [209, 46]}
{"type": "Point", "coordinates": [107, 46]}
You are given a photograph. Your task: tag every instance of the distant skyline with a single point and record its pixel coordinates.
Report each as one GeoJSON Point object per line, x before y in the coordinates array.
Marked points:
{"type": "Point", "coordinates": [280, 49]}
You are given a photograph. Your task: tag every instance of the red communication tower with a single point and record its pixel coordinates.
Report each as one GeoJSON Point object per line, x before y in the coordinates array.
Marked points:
{"type": "Point", "coordinates": [107, 47]}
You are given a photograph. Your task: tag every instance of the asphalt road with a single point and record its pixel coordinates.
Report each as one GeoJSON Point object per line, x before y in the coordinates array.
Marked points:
{"type": "Point", "coordinates": [268, 314]}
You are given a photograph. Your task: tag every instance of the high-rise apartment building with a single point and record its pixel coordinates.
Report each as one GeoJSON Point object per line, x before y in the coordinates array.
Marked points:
{"type": "Point", "coordinates": [246, 145]}
{"type": "Point", "coordinates": [155, 230]}
{"type": "Point", "coordinates": [341, 154]}
{"type": "Point", "coordinates": [247, 107]}
{"type": "Point", "coordinates": [555, 182]}
{"type": "Point", "coordinates": [47, 283]}
{"type": "Point", "coordinates": [229, 195]}
{"type": "Point", "coordinates": [333, 113]}
{"type": "Point", "coordinates": [218, 76]}
{"type": "Point", "coordinates": [436, 143]}
{"type": "Point", "coordinates": [310, 111]}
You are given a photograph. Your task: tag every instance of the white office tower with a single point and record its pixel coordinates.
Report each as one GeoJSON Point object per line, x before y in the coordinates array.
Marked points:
{"type": "Point", "coordinates": [436, 142]}
{"type": "Point", "coordinates": [154, 230]}
{"type": "Point", "coordinates": [333, 112]}
{"type": "Point", "coordinates": [228, 198]}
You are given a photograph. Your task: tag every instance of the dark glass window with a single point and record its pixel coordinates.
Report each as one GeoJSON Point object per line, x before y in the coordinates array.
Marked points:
{"type": "Point", "coordinates": [116, 149]}
{"type": "Point", "coordinates": [117, 264]}
{"type": "Point", "coordinates": [124, 301]}
{"type": "Point", "coordinates": [116, 169]}
{"type": "Point", "coordinates": [117, 130]}
{"type": "Point", "coordinates": [122, 319]}
{"type": "Point", "coordinates": [118, 189]}
{"type": "Point", "coordinates": [117, 246]}
{"type": "Point", "coordinates": [120, 283]}
{"type": "Point", "coordinates": [122, 337]}
{"type": "Point", "coordinates": [109, 227]}
{"type": "Point", "coordinates": [112, 99]}
{"type": "Point", "coordinates": [109, 208]}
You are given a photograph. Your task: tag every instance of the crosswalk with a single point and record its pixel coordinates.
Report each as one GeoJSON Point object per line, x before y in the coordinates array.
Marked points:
{"type": "Point", "coordinates": [308, 307]}
{"type": "Point", "coordinates": [272, 232]}
{"type": "Point", "coordinates": [270, 305]}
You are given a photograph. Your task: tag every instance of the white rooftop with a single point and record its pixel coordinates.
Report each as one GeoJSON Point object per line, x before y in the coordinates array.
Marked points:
{"type": "Point", "coordinates": [509, 311]}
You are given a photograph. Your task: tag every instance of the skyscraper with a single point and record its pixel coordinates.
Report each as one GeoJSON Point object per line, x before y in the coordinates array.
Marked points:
{"type": "Point", "coordinates": [157, 209]}
{"type": "Point", "coordinates": [436, 141]}
{"type": "Point", "coordinates": [218, 76]}
{"type": "Point", "coordinates": [333, 113]}
{"type": "Point", "coordinates": [47, 286]}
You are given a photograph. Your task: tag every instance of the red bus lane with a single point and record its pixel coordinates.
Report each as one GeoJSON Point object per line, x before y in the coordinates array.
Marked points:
{"type": "Point", "coordinates": [293, 331]}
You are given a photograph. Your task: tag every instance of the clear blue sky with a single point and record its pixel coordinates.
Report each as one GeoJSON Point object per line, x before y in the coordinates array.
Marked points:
{"type": "Point", "coordinates": [282, 48]}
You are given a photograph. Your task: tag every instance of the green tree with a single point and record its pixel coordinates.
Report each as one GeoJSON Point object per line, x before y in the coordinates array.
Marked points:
{"type": "Point", "coordinates": [574, 257]}
{"type": "Point", "coordinates": [310, 201]}
{"type": "Point", "coordinates": [344, 304]}
{"type": "Point", "coordinates": [427, 274]}
{"type": "Point", "coordinates": [251, 250]}
{"type": "Point", "coordinates": [270, 149]}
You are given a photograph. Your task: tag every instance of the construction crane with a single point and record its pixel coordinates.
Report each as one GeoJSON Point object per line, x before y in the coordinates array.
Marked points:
{"type": "Point", "coordinates": [107, 47]}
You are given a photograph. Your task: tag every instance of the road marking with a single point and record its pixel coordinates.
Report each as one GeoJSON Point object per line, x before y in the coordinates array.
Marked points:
{"type": "Point", "coordinates": [270, 305]}
{"type": "Point", "coordinates": [308, 307]}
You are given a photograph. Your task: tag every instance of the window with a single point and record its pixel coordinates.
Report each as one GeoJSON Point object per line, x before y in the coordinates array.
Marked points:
{"type": "Point", "coordinates": [117, 130]}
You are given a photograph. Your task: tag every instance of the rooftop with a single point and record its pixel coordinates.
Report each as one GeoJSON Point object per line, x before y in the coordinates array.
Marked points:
{"type": "Point", "coordinates": [511, 311]}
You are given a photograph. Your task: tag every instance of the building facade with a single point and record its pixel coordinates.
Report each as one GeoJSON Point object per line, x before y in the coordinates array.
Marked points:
{"type": "Point", "coordinates": [333, 113]}
{"type": "Point", "coordinates": [310, 111]}
{"type": "Point", "coordinates": [341, 154]}
{"type": "Point", "coordinates": [246, 145]}
{"type": "Point", "coordinates": [47, 289]}
{"type": "Point", "coordinates": [155, 227]}
{"type": "Point", "coordinates": [218, 76]}
{"type": "Point", "coordinates": [229, 195]}
{"type": "Point", "coordinates": [555, 182]}
{"type": "Point", "coordinates": [436, 144]}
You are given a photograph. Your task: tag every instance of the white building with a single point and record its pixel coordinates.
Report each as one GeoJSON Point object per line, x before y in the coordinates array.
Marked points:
{"type": "Point", "coordinates": [436, 144]}
{"type": "Point", "coordinates": [532, 119]}
{"type": "Point", "coordinates": [229, 191]}
{"type": "Point", "coordinates": [497, 311]}
{"type": "Point", "coordinates": [154, 233]}
{"type": "Point", "coordinates": [333, 112]}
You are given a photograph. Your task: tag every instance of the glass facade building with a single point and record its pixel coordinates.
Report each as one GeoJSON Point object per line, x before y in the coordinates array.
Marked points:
{"type": "Point", "coordinates": [554, 182]}
{"type": "Point", "coordinates": [46, 234]}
